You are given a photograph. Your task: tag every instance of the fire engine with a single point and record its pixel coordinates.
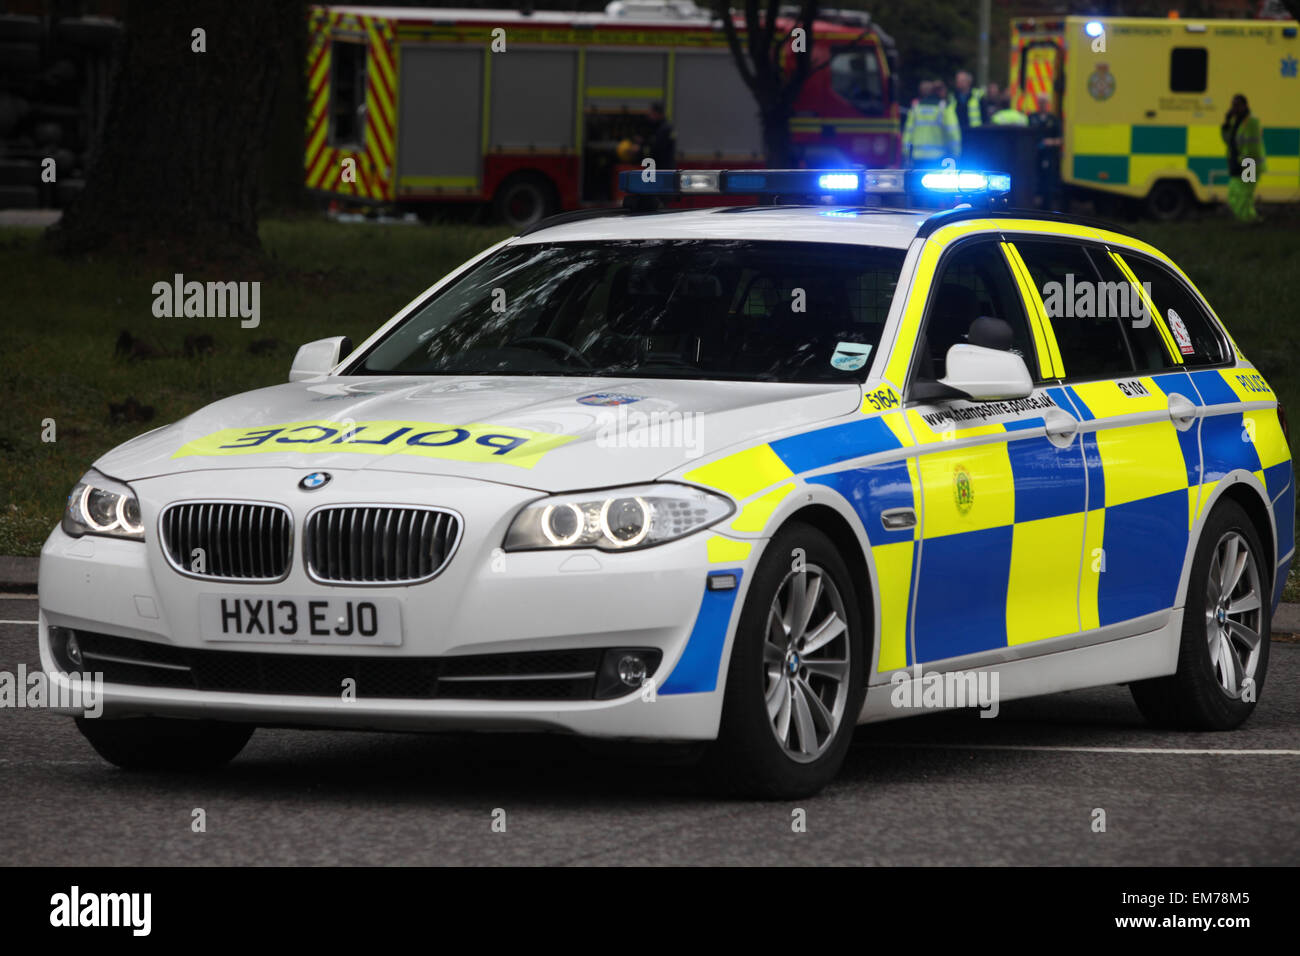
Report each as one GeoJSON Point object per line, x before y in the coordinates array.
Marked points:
{"type": "Point", "coordinates": [528, 110]}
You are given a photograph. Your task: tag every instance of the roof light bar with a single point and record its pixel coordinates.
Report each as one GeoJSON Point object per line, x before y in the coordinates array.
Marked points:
{"type": "Point", "coordinates": [959, 181]}
{"type": "Point", "coordinates": [833, 183]}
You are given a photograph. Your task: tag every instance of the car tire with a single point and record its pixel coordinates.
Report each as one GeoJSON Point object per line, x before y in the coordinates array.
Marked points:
{"type": "Point", "coordinates": [164, 743]}
{"type": "Point", "coordinates": [1202, 694]}
{"type": "Point", "coordinates": [817, 710]}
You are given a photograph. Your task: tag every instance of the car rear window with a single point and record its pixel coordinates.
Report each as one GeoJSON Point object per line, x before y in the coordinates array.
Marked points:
{"type": "Point", "coordinates": [1198, 340]}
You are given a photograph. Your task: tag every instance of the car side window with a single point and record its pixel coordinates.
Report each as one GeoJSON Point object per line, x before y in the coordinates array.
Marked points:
{"type": "Point", "coordinates": [1087, 328]}
{"type": "Point", "coordinates": [1144, 339]}
{"type": "Point", "coordinates": [1186, 318]}
{"type": "Point", "coordinates": [973, 281]}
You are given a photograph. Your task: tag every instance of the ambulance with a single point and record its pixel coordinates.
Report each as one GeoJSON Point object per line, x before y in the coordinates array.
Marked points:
{"type": "Point", "coordinates": [1142, 100]}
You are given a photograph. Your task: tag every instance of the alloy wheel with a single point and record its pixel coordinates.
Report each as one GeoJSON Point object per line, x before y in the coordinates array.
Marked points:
{"type": "Point", "coordinates": [1233, 611]}
{"type": "Point", "coordinates": [806, 660]}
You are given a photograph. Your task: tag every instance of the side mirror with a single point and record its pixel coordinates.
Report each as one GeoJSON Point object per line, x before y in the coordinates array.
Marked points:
{"type": "Point", "coordinates": [987, 375]}
{"type": "Point", "coordinates": [319, 357]}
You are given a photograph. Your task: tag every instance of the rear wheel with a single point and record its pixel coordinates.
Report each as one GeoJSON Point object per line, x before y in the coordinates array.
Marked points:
{"type": "Point", "coordinates": [524, 200]}
{"type": "Point", "coordinates": [1223, 657]}
{"type": "Point", "coordinates": [795, 685]}
{"type": "Point", "coordinates": [165, 743]}
{"type": "Point", "coordinates": [1168, 200]}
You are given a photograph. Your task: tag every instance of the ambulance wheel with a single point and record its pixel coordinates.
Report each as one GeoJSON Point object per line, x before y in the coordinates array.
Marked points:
{"type": "Point", "coordinates": [525, 199]}
{"type": "Point", "coordinates": [1223, 655]}
{"type": "Point", "coordinates": [165, 743]}
{"type": "Point", "coordinates": [1168, 200]}
{"type": "Point", "coordinates": [796, 681]}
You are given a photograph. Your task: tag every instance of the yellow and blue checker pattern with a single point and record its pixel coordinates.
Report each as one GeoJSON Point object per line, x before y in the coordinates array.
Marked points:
{"type": "Point", "coordinates": [1140, 480]}
{"type": "Point", "coordinates": [1001, 568]}
{"type": "Point", "coordinates": [1266, 453]}
{"type": "Point", "coordinates": [1046, 541]}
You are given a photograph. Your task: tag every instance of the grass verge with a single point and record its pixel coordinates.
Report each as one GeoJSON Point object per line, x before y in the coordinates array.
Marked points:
{"type": "Point", "coordinates": [61, 320]}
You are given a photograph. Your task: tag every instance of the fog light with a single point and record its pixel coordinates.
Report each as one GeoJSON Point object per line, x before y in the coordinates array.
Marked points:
{"type": "Point", "coordinates": [67, 650]}
{"type": "Point", "coordinates": [632, 670]}
{"type": "Point", "coordinates": [624, 669]}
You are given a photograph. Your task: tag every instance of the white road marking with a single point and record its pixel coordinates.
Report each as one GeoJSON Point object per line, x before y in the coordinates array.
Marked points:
{"type": "Point", "coordinates": [1225, 752]}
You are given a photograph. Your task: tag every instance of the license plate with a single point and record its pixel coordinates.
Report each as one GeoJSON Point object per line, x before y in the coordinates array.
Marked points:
{"type": "Point", "coordinates": [300, 620]}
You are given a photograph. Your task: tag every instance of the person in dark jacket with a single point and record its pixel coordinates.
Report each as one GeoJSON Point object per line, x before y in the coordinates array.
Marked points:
{"type": "Point", "coordinates": [661, 145]}
{"type": "Point", "coordinates": [1048, 127]}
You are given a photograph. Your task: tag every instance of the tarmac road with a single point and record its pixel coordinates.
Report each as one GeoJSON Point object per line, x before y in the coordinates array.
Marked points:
{"type": "Point", "coordinates": [941, 789]}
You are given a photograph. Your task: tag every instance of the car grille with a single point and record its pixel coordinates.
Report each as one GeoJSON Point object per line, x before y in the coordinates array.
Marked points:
{"type": "Point", "coordinates": [535, 675]}
{"type": "Point", "coordinates": [351, 544]}
{"type": "Point", "coordinates": [240, 541]}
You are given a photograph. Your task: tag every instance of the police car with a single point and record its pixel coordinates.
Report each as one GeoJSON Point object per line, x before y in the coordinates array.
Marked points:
{"type": "Point", "coordinates": [739, 475]}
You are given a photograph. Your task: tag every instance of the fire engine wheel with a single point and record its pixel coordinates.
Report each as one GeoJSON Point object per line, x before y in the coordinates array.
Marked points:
{"type": "Point", "coordinates": [1168, 200]}
{"type": "Point", "coordinates": [525, 199]}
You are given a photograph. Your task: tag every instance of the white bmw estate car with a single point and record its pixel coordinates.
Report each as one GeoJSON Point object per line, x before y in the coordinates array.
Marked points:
{"type": "Point", "coordinates": [745, 476]}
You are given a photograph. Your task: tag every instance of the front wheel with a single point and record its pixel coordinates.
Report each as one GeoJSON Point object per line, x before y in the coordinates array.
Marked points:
{"type": "Point", "coordinates": [795, 685]}
{"type": "Point", "coordinates": [1223, 656]}
{"type": "Point", "coordinates": [165, 743]}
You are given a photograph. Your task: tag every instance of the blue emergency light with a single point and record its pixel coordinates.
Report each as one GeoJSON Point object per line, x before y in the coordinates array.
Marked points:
{"type": "Point", "coordinates": [966, 183]}
{"type": "Point", "coordinates": [843, 184]}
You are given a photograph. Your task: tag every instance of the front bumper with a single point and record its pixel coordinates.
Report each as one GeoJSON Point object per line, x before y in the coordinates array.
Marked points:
{"type": "Point", "coordinates": [484, 602]}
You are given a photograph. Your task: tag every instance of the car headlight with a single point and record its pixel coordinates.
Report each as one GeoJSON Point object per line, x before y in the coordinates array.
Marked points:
{"type": "Point", "coordinates": [100, 505]}
{"type": "Point", "coordinates": [616, 519]}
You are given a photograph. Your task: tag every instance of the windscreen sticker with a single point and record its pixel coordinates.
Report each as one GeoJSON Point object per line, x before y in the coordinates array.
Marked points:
{"type": "Point", "coordinates": [850, 356]}
{"type": "Point", "coordinates": [476, 442]}
{"type": "Point", "coordinates": [1181, 335]}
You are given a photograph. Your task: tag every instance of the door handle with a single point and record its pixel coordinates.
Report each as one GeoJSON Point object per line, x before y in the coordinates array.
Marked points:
{"type": "Point", "coordinates": [1061, 427]}
{"type": "Point", "coordinates": [1182, 411]}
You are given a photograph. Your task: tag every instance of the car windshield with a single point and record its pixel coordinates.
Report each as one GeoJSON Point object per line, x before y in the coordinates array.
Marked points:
{"type": "Point", "coordinates": [686, 308]}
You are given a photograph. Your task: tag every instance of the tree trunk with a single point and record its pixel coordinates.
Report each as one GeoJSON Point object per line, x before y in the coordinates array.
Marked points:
{"type": "Point", "coordinates": [184, 138]}
{"type": "Point", "coordinates": [778, 148]}
{"type": "Point", "coordinates": [283, 182]}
